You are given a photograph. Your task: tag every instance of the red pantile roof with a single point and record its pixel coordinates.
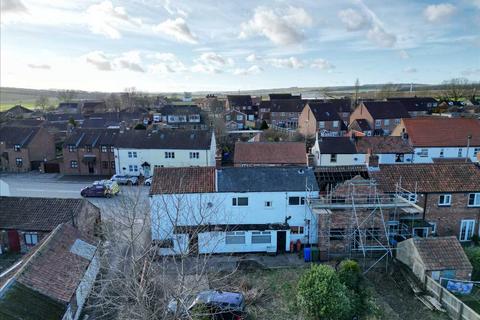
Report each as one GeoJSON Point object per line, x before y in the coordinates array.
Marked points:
{"type": "Point", "coordinates": [429, 178]}
{"type": "Point", "coordinates": [382, 144]}
{"type": "Point", "coordinates": [442, 132]}
{"type": "Point", "coordinates": [290, 153]}
{"type": "Point", "coordinates": [183, 180]}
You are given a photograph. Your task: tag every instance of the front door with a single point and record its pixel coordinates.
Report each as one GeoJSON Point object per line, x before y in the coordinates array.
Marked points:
{"type": "Point", "coordinates": [281, 241]}
{"type": "Point", "coordinates": [13, 241]}
{"type": "Point", "coordinates": [91, 168]}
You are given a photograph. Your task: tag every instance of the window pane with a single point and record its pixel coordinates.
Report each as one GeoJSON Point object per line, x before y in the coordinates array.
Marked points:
{"type": "Point", "coordinates": [243, 201]}
{"type": "Point", "coordinates": [293, 201]}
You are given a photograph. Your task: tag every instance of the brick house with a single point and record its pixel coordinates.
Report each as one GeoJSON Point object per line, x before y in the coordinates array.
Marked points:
{"type": "Point", "coordinates": [24, 148]}
{"type": "Point", "coordinates": [284, 113]}
{"type": "Point", "coordinates": [186, 117]}
{"type": "Point", "coordinates": [321, 117]}
{"type": "Point", "coordinates": [239, 102]}
{"type": "Point", "coordinates": [53, 280]}
{"type": "Point", "coordinates": [438, 138]}
{"type": "Point", "coordinates": [449, 194]}
{"type": "Point", "coordinates": [382, 116]}
{"type": "Point", "coordinates": [236, 120]}
{"type": "Point", "coordinates": [93, 106]}
{"type": "Point", "coordinates": [251, 154]}
{"type": "Point", "coordinates": [90, 152]}
{"type": "Point", "coordinates": [26, 221]}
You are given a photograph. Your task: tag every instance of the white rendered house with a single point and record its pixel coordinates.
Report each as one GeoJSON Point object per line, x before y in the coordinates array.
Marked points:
{"type": "Point", "coordinates": [257, 209]}
{"type": "Point", "coordinates": [138, 152]}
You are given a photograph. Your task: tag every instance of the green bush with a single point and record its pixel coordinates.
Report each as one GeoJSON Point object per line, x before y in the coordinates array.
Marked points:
{"type": "Point", "coordinates": [264, 125]}
{"type": "Point", "coordinates": [473, 254]}
{"type": "Point", "coordinates": [321, 295]}
{"type": "Point", "coordinates": [140, 126]}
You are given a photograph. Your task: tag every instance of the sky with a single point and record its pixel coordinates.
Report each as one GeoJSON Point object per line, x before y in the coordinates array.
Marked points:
{"type": "Point", "coordinates": [220, 45]}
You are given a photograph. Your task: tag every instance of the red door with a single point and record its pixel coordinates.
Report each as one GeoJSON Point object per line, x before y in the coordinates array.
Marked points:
{"type": "Point", "coordinates": [13, 241]}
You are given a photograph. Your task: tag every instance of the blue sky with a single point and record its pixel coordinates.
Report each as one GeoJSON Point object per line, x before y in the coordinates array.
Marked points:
{"type": "Point", "coordinates": [193, 45]}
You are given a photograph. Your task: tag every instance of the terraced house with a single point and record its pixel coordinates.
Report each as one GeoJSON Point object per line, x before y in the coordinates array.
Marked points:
{"type": "Point", "coordinates": [90, 152]}
{"type": "Point", "coordinates": [25, 148]}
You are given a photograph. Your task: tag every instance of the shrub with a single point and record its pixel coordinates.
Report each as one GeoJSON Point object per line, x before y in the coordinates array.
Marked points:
{"type": "Point", "coordinates": [473, 254]}
{"type": "Point", "coordinates": [264, 125]}
{"type": "Point", "coordinates": [321, 295]}
{"type": "Point", "coordinates": [140, 126]}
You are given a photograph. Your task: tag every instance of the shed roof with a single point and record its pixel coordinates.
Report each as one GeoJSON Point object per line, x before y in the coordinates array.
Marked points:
{"type": "Point", "coordinates": [441, 253]}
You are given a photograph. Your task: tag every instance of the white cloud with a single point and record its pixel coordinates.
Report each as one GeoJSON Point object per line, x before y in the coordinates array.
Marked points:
{"type": "Point", "coordinates": [252, 58]}
{"type": "Point", "coordinates": [282, 27]}
{"type": "Point", "coordinates": [380, 37]}
{"type": "Point", "coordinates": [291, 62]}
{"type": "Point", "coordinates": [322, 64]}
{"type": "Point", "coordinates": [12, 6]}
{"type": "Point", "coordinates": [99, 60]}
{"type": "Point", "coordinates": [403, 54]}
{"type": "Point", "coordinates": [105, 19]}
{"type": "Point", "coordinates": [248, 71]}
{"type": "Point", "coordinates": [130, 61]}
{"type": "Point", "coordinates": [211, 62]}
{"type": "Point", "coordinates": [39, 66]}
{"type": "Point", "coordinates": [353, 19]}
{"type": "Point", "coordinates": [178, 29]}
{"type": "Point", "coordinates": [410, 70]}
{"type": "Point", "coordinates": [167, 63]}
{"type": "Point", "coordinates": [438, 12]}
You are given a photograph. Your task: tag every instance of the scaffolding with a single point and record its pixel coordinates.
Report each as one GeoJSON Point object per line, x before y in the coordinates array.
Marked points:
{"type": "Point", "coordinates": [354, 220]}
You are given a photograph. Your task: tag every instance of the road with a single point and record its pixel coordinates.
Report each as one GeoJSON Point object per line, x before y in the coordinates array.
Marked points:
{"type": "Point", "coordinates": [129, 209]}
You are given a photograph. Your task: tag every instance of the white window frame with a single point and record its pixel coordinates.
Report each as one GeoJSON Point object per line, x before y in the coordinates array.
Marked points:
{"type": "Point", "coordinates": [194, 155]}
{"type": "Point", "coordinates": [378, 123]}
{"type": "Point", "coordinates": [475, 151]}
{"type": "Point", "coordinates": [442, 153]}
{"type": "Point", "coordinates": [444, 200]}
{"type": "Point", "coordinates": [19, 162]}
{"type": "Point", "coordinates": [235, 202]}
{"type": "Point", "coordinates": [268, 204]}
{"type": "Point", "coordinates": [72, 148]}
{"type": "Point", "coordinates": [261, 237]}
{"type": "Point", "coordinates": [235, 237]}
{"type": "Point", "coordinates": [169, 155]}
{"type": "Point", "coordinates": [386, 122]}
{"type": "Point", "coordinates": [460, 152]}
{"type": "Point", "coordinates": [16, 147]}
{"type": "Point", "coordinates": [476, 200]}
{"type": "Point", "coordinates": [301, 201]}
{"type": "Point", "coordinates": [434, 226]}
{"type": "Point", "coordinates": [335, 124]}
{"type": "Point", "coordinates": [297, 230]}
{"type": "Point", "coordinates": [73, 164]}
{"type": "Point", "coordinates": [333, 158]}
{"type": "Point", "coordinates": [104, 149]}
{"type": "Point", "coordinates": [423, 153]}
{"type": "Point", "coordinates": [321, 124]}
{"type": "Point", "coordinates": [469, 226]}
{"type": "Point", "coordinates": [31, 238]}
{"type": "Point", "coordinates": [397, 121]}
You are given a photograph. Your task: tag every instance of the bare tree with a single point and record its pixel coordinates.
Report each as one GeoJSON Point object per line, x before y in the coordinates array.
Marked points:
{"type": "Point", "coordinates": [139, 277]}
{"type": "Point", "coordinates": [66, 95]}
{"type": "Point", "coordinates": [113, 102]}
{"type": "Point", "coordinates": [356, 93]}
{"type": "Point", "coordinates": [42, 102]}
{"type": "Point", "coordinates": [458, 88]}
{"type": "Point", "coordinates": [128, 98]}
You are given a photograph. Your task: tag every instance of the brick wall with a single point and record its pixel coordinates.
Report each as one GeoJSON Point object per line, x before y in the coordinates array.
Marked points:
{"type": "Point", "coordinates": [448, 218]}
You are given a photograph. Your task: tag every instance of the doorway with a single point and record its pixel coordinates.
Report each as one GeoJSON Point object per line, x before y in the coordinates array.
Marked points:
{"type": "Point", "coordinates": [91, 168]}
{"type": "Point", "coordinates": [281, 241]}
{"type": "Point", "coordinates": [13, 241]}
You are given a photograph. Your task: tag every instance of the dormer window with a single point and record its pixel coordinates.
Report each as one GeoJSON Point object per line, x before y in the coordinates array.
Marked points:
{"type": "Point", "coordinates": [16, 147]}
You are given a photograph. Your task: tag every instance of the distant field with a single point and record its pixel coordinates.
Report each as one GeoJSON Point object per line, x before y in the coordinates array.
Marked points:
{"type": "Point", "coordinates": [6, 106]}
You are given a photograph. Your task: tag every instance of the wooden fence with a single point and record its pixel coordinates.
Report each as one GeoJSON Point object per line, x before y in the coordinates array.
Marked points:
{"type": "Point", "coordinates": [454, 306]}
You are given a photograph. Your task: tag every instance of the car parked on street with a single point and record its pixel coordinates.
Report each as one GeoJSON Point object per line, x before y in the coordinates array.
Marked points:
{"type": "Point", "coordinates": [148, 181]}
{"type": "Point", "coordinates": [96, 191]}
{"type": "Point", "coordinates": [219, 305]}
{"type": "Point", "coordinates": [112, 185]}
{"type": "Point", "coordinates": [128, 180]}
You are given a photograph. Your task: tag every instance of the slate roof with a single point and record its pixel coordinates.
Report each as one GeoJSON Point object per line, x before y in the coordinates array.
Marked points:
{"type": "Point", "coordinates": [277, 96]}
{"type": "Point", "coordinates": [292, 153]}
{"type": "Point", "coordinates": [183, 180]}
{"type": "Point", "coordinates": [382, 144]}
{"type": "Point", "coordinates": [442, 253]}
{"type": "Point", "coordinates": [386, 109]}
{"type": "Point", "coordinates": [18, 109]}
{"type": "Point", "coordinates": [37, 214]}
{"type": "Point", "coordinates": [239, 100]}
{"type": "Point", "coordinates": [116, 116]}
{"type": "Point", "coordinates": [165, 139]}
{"type": "Point", "coordinates": [284, 105]}
{"type": "Point", "coordinates": [63, 117]}
{"type": "Point", "coordinates": [336, 145]}
{"type": "Point", "coordinates": [442, 132]}
{"type": "Point", "coordinates": [341, 105]}
{"type": "Point", "coordinates": [173, 110]}
{"type": "Point", "coordinates": [44, 283]}
{"type": "Point", "coordinates": [68, 105]}
{"type": "Point", "coordinates": [416, 103]}
{"type": "Point", "coordinates": [92, 137]}
{"type": "Point", "coordinates": [324, 111]}
{"type": "Point", "coordinates": [266, 179]}
{"type": "Point", "coordinates": [429, 178]}
{"type": "Point", "coordinates": [361, 124]}
{"type": "Point", "coordinates": [25, 123]}
{"type": "Point", "coordinates": [22, 136]}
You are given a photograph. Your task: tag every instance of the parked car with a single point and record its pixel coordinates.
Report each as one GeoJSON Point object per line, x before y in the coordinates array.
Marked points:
{"type": "Point", "coordinates": [148, 181]}
{"type": "Point", "coordinates": [98, 190]}
{"type": "Point", "coordinates": [112, 185]}
{"type": "Point", "coordinates": [219, 304]}
{"type": "Point", "coordinates": [130, 180]}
